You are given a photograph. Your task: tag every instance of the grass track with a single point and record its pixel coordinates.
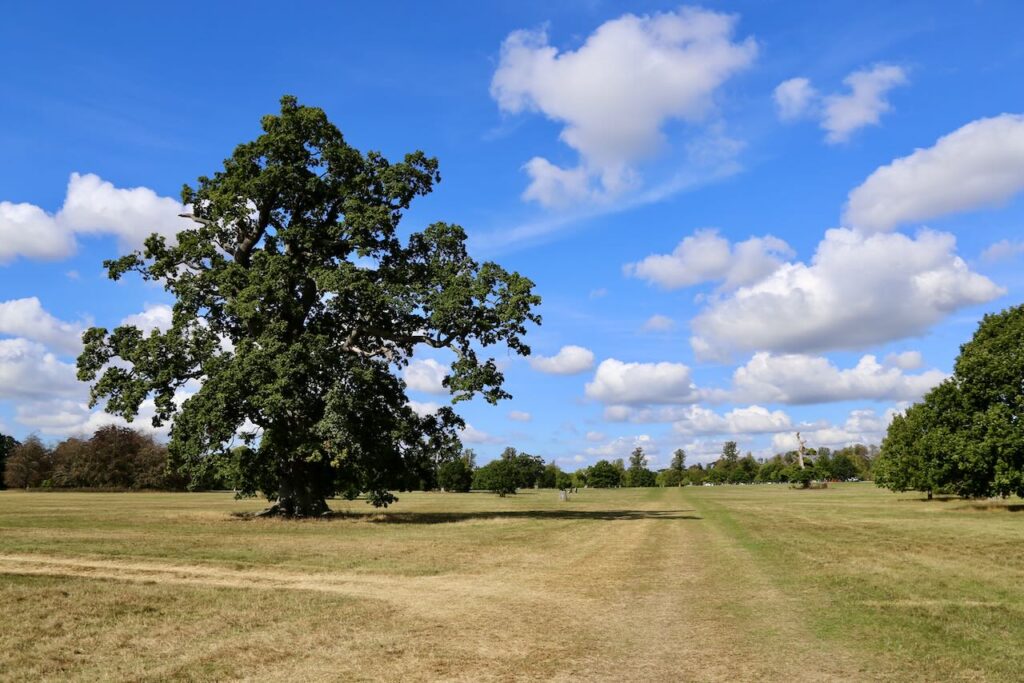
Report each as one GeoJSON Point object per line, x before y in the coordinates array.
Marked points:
{"type": "Point", "coordinates": [724, 583]}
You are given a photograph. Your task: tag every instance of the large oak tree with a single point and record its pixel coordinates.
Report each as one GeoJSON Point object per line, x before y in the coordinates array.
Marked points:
{"type": "Point", "coordinates": [297, 303]}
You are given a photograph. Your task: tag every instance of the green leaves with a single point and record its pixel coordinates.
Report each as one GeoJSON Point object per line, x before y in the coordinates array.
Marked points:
{"type": "Point", "coordinates": [967, 436]}
{"type": "Point", "coordinates": [296, 302]}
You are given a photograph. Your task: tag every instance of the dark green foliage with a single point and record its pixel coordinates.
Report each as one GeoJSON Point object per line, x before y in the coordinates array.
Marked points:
{"type": "Point", "coordinates": [498, 476]}
{"type": "Point", "coordinates": [296, 299]}
{"type": "Point", "coordinates": [843, 467]}
{"type": "Point", "coordinates": [638, 475]}
{"type": "Point", "coordinates": [529, 469]}
{"type": "Point", "coordinates": [670, 477]}
{"type": "Point", "coordinates": [967, 435]}
{"type": "Point", "coordinates": [678, 460]}
{"type": "Point", "coordinates": [29, 465]}
{"type": "Point", "coordinates": [744, 471]}
{"type": "Point", "coordinates": [455, 475]}
{"type": "Point", "coordinates": [116, 458]}
{"type": "Point", "coordinates": [604, 475]}
{"type": "Point", "coordinates": [800, 477]}
{"type": "Point", "coordinates": [7, 444]}
{"type": "Point", "coordinates": [564, 480]}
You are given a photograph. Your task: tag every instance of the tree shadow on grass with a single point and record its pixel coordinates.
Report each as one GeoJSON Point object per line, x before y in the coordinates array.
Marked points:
{"type": "Point", "coordinates": [390, 517]}
{"type": "Point", "coordinates": [970, 504]}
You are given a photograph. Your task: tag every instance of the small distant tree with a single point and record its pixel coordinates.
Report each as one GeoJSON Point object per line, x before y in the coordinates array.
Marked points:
{"type": "Point", "coordinates": [620, 467]}
{"type": "Point", "coordinates": [549, 476]}
{"type": "Point", "coordinates": [670, 477]}
{"type": "Point", "coordinates": [744, 471]}
{"type": "Point", "coordinates": [678, 460]}
{"type": "Point", "coordinates": [564, 480]}
{"type": "Point", "coordinates": [604, 475]}
{"type": "Point", "coordinates": [30, 465]}
{"type": "Point", "coordinates": [7, 444]}
{"type": "Point", "coordinates": [498, 476]}
{"type": "Point", "coordinates": [843, 466]}
{"type": "Point", "coordinates": [638, 475]}
{"type": "Point", "coordinates": [455, 476]}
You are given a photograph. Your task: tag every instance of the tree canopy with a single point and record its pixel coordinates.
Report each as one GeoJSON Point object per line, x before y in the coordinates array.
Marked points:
{"type": "Point", "coordinates": [297, 302]}
{"type": "Point", "coordinates": [967, 436]}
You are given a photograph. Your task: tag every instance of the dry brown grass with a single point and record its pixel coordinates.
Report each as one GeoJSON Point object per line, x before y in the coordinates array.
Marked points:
{"type": "Point", "coordinates": [730, 584]}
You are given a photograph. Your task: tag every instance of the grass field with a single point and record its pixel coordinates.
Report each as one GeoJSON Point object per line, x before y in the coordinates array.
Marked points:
{"type": "Point", "coordinates": [729, 583]}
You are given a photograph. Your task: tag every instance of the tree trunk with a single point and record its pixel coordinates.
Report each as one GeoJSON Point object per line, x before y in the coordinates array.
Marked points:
{"type": "Point", "coordinates": [298, 497]}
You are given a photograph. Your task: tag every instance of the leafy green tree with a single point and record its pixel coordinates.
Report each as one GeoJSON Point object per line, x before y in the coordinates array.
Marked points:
{"type": "Point", "coordinates": [7, 444]}
{"type": "Point", "coordinates": [564, 480]}
{"type": "Point", "coordinates": [772, 470]}
{"type": "Point", "coordinates": [604, 475]}
{"type": "Point", "coordinates": [990, 428]}
{"type": "Point", "coordinates": [455, 475]}
{"type": "Point", "coordinates": [30, 465]}
{"type": "Point", "coordinates": [730, 453]}
{"type": "Point", "coordinates": [529, 469]}
{"type": "Point", "coordinates": [744, 471]}
{"type": "Point", "coordinates": [114, 457]}
{"type": "Point", "coordinates": [800, 477]}
{"type": "Point", "coordinates": [920, 448]}
{"type": "Point", "coordinates": [498, 476]}
{"type": "Point", "coordinates": [678, 462]}
{"type": "Point", "coordinates": [296, 299]}
{"type": "Point", "coordinates": [718, 474]}
{"type": "Point", "coordinates": [670, 477]}
{"type": "Point", "coordinates": [620, 467]}
{"type": "Point", "coordinates": [843, 466]}
{"type": "Point", "coordinates": [638, 474]}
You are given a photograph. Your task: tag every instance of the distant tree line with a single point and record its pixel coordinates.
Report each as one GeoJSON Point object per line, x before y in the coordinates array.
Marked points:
{"type": "Point", "coordinates": [125, 459]}
{"type": "Point", "coordinates": [822, 464]}
{"type": "Point", "coordinates": [113, 458]}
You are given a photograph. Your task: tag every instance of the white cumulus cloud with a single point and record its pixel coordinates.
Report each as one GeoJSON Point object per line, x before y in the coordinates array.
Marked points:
{"type": "Point", "coordinates": [752, 419]}
{"type": "Point", "coordinates": [570, 360]}
{"type": "Point", "coordinates": [1003, 250]}
{"type": "Point", "coordinates": [858, 290]}
{"type": "Point", "coordinates": [978, 165]}
{"type": "Point", "coordinates": [705, 256]}
{"type": "Point", "coordinates": [92, 206]}
{"type": "Point", "coordinates": [29, 371]}
{"type": "Point", "coordinates": [841, 114]}
{"type": "Point", "coordinates": [794, 98]}
{"type": "Point", "coordinates": [802, 379]}
{"type": "Point", "coordinates": [658, 323]}
{"type": "Point", "coordinates": [614, 93]}
{"type": "Point", "coordinates": [28, 319]}
{"type": "Point", "coordinates": [426, 375]}
{"type": "Point", "coordinates": [864, 104]}
{"type": "Point", "coordinates": [153, 316]}
{"type": "Point", "coordinates": [619, 383]}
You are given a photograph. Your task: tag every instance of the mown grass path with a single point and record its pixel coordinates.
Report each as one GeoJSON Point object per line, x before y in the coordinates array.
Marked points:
{"type": "Point", "coordinates": [701, 584]}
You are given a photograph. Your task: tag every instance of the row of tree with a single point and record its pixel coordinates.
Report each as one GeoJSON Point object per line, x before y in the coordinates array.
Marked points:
{"type": "Point", "coordinates": [113, 458]}
{"type": "Point", "coordinates": [122, 458]}
{"type": "Point", "coordinates": [966, 437]}
{"type": "Point", "coordinates": [822, 464]}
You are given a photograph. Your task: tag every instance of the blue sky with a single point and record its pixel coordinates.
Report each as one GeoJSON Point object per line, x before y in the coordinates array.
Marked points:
{"type": "Point", "coordinates": [745, 218]}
